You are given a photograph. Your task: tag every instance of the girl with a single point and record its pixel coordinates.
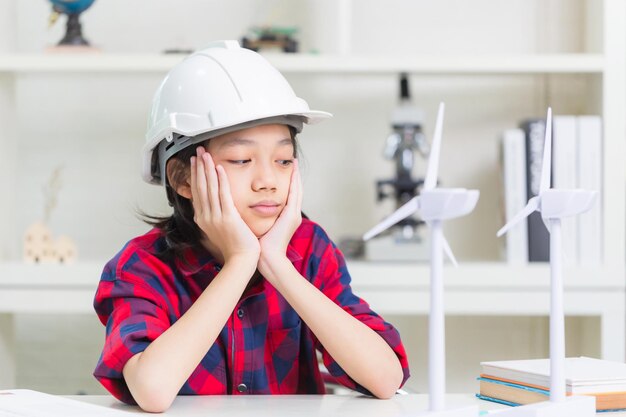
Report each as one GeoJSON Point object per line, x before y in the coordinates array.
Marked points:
{"type": "Point", "coordinates": [235, 291]}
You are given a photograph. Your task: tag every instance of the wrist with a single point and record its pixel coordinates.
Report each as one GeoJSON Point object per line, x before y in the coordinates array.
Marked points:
{"type": "Point", "coordinates": [272, 266]}
{"type": "Point", "coordinates": [247, 262]}
{"type": "Point", "coordinates": [273, 255]}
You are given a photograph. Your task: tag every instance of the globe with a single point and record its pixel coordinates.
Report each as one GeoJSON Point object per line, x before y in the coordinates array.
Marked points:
{"type": "Point", "coordinates": [73, 9]}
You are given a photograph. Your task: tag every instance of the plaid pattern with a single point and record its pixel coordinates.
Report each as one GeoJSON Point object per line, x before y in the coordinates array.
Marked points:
{"type": "Point", "coordinates": [263, 344]}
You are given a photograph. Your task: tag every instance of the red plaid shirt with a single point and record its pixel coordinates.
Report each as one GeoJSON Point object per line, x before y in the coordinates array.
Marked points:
{"type": "Point", "coordinates": [264, 345]}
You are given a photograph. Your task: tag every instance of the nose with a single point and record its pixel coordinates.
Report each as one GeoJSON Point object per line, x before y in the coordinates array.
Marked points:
{"type": "Point", "coordinates": [264, 177]}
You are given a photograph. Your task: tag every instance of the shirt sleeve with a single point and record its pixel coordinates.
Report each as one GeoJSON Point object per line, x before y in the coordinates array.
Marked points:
{"type": "Point", "coordinates": [333, 280]}
{"type": "Point", "coordinates": [133, 315]}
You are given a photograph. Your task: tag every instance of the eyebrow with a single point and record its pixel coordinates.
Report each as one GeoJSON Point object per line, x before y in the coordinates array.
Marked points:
{"type": "Point", "coordinates": [247, 142]}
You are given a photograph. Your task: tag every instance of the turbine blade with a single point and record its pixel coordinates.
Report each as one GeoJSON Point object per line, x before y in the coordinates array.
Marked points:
{"type": "Point", "coordinates": [402, 213]}
{"type": "Point", "coordinates": [532, 205]}
{"type": "Point", "coordinates": [433, 160]}
{"type": "Point", "coordinates": [547, 155]}
{"type": "Point", "coordinates": [448, 251]}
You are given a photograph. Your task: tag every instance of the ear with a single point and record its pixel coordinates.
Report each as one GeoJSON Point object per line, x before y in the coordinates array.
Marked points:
{"type": "Point", "coordinates": [178, 177]}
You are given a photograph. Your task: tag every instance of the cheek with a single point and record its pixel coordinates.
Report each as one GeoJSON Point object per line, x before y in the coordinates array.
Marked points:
{"type": "Point", "coordinates": [284, 183]}
{"type": "Point", "coordinates": [238, 191]}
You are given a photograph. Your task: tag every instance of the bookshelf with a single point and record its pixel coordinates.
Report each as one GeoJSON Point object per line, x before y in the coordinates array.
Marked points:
{"type": "Point", "coordinates": [127, 80]}
{"type": "Point", "coordinates": [318, 64]}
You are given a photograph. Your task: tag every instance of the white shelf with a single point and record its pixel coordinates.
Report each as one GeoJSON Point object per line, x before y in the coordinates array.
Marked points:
{"type": "Point", "coordinates": [478, 276]}
{"type": "Point", "coordinates": [321, 64]}
{"type": "Point", "coordinates": [397, 275]}
{"type": "Point", "coordinates": [23, 275]}
{"type": "Point", "coordinates": [66, 289]}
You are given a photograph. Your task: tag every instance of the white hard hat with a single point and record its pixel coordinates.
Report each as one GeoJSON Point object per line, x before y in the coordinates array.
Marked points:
{"type": "Point", "coordinates": [216, 90]}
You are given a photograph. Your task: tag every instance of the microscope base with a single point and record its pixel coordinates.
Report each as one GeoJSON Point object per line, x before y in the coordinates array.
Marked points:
{"type": "Point", "coordinates": [394, 248]}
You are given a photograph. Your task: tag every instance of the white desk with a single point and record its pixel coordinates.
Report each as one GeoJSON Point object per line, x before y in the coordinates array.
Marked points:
{"type": "Point", "coordinates": [294, 405]}
{"type": "Point", "coordinates": [300, 405]}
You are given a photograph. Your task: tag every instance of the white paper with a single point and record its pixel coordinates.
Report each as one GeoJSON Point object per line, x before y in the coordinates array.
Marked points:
{"type": "Point", "coordinates": [27, 403]}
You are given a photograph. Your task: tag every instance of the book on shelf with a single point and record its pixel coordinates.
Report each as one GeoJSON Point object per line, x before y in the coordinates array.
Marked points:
{"type": "Point", "coordinates": [528, 381]}
{"type": "Point", "coordinates": [590, 247]}
{"type": "Point", "coordinates": [565, 176]}
{"type": "Point", "coordinates": [576, 163]}
{"type": "Point", "coordinates": [513, 174]}
{"type": "Point", "coordinates": [538, 236]}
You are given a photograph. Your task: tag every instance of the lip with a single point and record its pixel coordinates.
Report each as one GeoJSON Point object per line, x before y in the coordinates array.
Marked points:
{"type": "Point", "coordinates": [266, 208]}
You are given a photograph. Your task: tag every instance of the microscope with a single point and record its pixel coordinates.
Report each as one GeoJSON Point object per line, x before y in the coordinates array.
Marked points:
{"type": "Point", "coordinates": [407, 240]}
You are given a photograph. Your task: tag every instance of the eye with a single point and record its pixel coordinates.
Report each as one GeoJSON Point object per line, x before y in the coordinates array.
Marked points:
{"type": "Point", "coordinates": [238, 161]}
{"type": "Point", "coordinates": [285, 162]}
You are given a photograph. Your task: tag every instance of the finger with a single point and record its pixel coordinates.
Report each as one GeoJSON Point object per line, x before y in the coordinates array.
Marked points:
{"type": "Point", "coordinates": [226, 198]}
{"type": "Point", "coordinates": [201, 185]}
{"type": "Point", "coordinates": [299, 182]}
{"type": "Point", "coordinates": [192, 180]}
{"type": "Point", "coordinates": [292, 197]}
{"type": "Point", "coordinates": [213, 183]}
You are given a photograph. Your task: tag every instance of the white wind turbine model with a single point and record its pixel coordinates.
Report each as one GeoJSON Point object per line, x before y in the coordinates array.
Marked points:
{"type": "Point", "coordinates": [554, 205]}
{"type": "Point", "coordinates": [434, 206]}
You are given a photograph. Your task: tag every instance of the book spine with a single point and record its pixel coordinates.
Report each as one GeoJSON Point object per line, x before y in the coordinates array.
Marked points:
{"type": "Point", "coordinates": [538, 236]}
{"type": "Point", "coordinates": [565, 176]}
{"type": "Point", "coordinates": [513, 151]}
{"type": "Point", "coordinates": [590, 178]}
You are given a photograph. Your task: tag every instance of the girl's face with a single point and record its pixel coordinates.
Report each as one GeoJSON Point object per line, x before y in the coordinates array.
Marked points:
{"type": "Point", "coordinates": [258, 162]}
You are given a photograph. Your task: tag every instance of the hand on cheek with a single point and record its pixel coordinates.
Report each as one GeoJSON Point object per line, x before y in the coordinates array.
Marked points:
{"type": "Point", "coordinates": [215, 212]}
{"type": "Point", "coordinates": [274, 242]}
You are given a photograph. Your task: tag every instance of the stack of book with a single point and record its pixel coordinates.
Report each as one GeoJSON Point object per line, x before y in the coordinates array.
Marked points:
{"type": "Point", "coordinates": [576, 163]}
{"type": "Point", "coordinates": [528, 381]}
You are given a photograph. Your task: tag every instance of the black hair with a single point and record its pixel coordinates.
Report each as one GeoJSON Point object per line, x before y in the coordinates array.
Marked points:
{"type": "Point", "coordinates": [180, 230]}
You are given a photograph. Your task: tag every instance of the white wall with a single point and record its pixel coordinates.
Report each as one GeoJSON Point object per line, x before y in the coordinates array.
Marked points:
{"type": "Point", "coordinates": [99, 120]}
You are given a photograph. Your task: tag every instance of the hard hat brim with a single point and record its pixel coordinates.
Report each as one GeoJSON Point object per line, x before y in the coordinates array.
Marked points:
{"type": "Point", "coordinates": [310, 117]}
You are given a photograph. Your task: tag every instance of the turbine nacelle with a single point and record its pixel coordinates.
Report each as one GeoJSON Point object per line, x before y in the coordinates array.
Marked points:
{"type": "Point", "coordinates": [446, 203]}
{"type": "Point", "coordinates": [557, 203]}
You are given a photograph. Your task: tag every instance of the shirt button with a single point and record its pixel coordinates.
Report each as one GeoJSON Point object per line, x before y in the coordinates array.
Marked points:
{"type": "Point", "coordinates": [240, 312]}
{"type": "Point", "coordinates": [242, 388]}
{"type": "Point", "coordinates": [218, 268]}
